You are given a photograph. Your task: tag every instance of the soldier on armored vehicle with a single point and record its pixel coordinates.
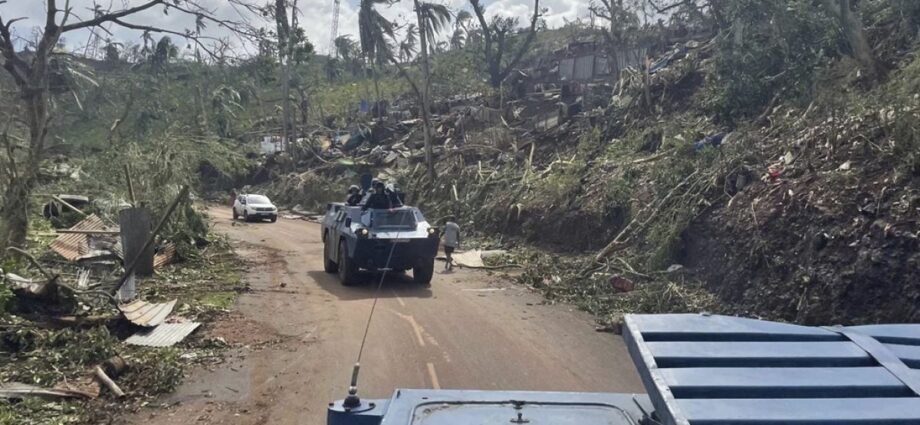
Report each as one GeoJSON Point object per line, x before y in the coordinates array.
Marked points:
{"type": "Point", "coordinates": [378, 199]}
{"type": "Point", "coordinates": [354, 196]}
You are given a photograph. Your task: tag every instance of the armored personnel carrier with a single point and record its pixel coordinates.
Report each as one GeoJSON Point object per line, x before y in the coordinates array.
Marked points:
{"type": "Point", "coordinates": [359, 237]}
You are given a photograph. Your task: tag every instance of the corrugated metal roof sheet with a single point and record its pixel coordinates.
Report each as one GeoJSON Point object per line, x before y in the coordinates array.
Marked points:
{"type": "Point", "coordinates": [165, 256]}
{"type": "Point", "coordinates": [74, 245]}
{"type": "Point", "coordinates": [702, 369]}
{"type": "Point", "coordinates": [147, 314]}
{"type": "Point", "coordinates": [165, 335]}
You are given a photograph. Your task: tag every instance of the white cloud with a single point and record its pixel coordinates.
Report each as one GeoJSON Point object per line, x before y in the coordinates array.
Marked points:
{"type": "Point", "coordinates": [316, 17]}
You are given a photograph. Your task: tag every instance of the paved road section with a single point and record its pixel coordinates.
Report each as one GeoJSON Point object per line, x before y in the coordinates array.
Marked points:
{"type": "Point", "coordinates": [298, 331]}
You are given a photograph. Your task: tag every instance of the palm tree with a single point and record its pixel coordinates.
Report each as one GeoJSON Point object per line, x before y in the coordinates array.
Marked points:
{"type": "Point", "coordinates": [348, 50]}
{"type": "Point", "coordinates": [164, 51]}
{"type": "Point", "coordinates": [225, 101]}
{"type": "Point", "coordinates": [441, 47]}
{"type": "Point", "coordinates": [345, 47]}
{"type": "Point", "coordinates": [407, 46]}
{"type": "Point", "coordinates": [457, 39]}
{"type": "Point", "coordinates": [460, 21]}
{"type": "Point", "coordinates": [113, 51]}
{"type": "Point", "coordinates": [461, 30]}
{"type": "Point", "coordinates": [374, 31]}
{"type": "Point", "coordinates": [432, 19]}
{"type": "Point", "coordinates": [333, 69]}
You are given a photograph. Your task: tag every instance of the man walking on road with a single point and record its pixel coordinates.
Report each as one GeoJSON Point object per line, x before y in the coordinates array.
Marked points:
{"type": "Point", "coordinates": [451, 241]}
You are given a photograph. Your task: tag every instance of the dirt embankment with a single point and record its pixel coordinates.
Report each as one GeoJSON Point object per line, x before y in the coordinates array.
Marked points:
{"type": "Point", "coordinates": [816, 250]}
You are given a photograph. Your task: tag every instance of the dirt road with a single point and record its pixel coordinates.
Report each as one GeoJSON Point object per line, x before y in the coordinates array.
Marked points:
{"type": "Point", "coordinates": [298, 333]}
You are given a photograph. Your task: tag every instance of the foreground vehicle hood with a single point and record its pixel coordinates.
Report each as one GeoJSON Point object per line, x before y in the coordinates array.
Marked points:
{"type": "Point", "coordinates": [702, 369]}
{"type": "Point", "coordinates": [452, 407]}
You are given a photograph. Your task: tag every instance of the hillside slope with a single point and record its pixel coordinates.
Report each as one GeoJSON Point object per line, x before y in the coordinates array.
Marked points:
{"type": "Point", "coordinates": [774, 184]}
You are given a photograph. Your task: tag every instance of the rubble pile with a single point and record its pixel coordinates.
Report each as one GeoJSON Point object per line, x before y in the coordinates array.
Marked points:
{"type": "Point", "coordinates": [94, 311]}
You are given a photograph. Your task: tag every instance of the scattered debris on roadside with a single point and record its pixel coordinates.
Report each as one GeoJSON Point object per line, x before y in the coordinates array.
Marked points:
{"type": "Point", "coordinates": [79, 323]}
{"type": "Point", "coordinates": [88, 240]}
{"type": "Point", "coordinates": [480, 259]}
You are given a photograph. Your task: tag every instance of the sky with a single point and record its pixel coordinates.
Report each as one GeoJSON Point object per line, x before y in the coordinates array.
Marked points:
{"type": "Point", "coordinates": [316, 17]}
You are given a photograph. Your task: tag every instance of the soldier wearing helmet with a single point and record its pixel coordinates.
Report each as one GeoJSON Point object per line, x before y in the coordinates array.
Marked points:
{"type": "Point", "coordinates": [354, 196]}
{"type": "Point", "coordinates": [378, 198]}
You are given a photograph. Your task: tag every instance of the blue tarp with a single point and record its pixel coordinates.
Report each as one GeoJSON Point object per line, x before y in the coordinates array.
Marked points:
{"type": "Point", "coordinates": [714, 140]}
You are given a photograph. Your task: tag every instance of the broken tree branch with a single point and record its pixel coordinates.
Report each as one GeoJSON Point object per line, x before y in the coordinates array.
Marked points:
{"type": "Point", "coordinates": [109, 17]}
{"type": "Point", "coordinates": [34, 262]}
{"type": "Point", "coordinates": [55, 278]}
{"type": "Point", "coordinates": [108, 382]}
{"type": "Point", "coordinates": [621, 239]}
{"type": "Point", "coordinates": [68, 205]}
{"type": "Point", "coordinates": [652, 158]}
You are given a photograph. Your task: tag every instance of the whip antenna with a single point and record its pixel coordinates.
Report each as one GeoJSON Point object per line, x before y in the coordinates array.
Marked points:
{"type": "Point", "coordinates": [352, 400]}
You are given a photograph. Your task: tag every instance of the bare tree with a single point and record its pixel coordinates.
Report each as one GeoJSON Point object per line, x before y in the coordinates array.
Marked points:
{"type": "Point", "coordinates": [30, 72]}
{"type": "Point", "coordinates": [285, 53]}
{"type": "Point", "coordinates": [497, 36]}
{"type": "Point", "coordinates": [622, 25]}
{"type": "Point", "coordinates": [850, 21]}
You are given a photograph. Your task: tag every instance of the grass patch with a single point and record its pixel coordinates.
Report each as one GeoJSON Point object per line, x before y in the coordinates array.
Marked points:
{"type": "Point", "coordinates": [205, 285]}
{"type": "Point", "coordinates": [218, 300]}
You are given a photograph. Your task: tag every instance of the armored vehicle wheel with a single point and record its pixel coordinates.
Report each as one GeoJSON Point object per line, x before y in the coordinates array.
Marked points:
{"type": "Point", "coordinates": [423, 273]}
{"type": "Point", "coordinates": [235, 215]}
{"type": "Point", "coordinates": [328, 265]}
{"type": "Point", "coordinates": [348, 272]}
{"type": "Point", "coordinates": [273, 219]}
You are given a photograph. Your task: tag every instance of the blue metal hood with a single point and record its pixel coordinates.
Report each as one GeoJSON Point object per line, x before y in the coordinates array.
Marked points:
{"type": "Point", "coordinates": [701, 369]}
